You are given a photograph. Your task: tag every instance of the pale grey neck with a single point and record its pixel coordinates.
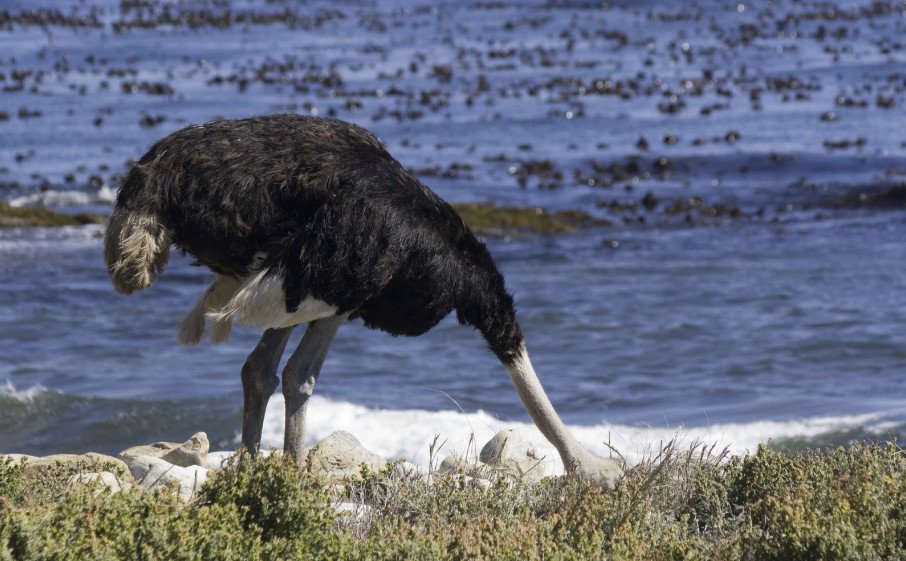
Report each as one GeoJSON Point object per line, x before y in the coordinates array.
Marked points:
{"type": "Point", "coordinates": [536, 402]}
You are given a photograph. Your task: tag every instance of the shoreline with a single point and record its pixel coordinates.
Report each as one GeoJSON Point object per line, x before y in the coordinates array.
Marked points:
{"type": "Point", "coordinates": [486, 219]}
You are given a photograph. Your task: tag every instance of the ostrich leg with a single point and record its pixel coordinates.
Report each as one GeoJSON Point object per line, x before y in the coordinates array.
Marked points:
{"type": "Point", "coordinates": [576, 459]}
{"type": "Point", "coordinates": [299, 378]}
{"type": "Point", "coordinates": [259, 380]}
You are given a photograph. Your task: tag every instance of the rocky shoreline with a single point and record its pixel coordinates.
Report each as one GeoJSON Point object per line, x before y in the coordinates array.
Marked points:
{"type": "Point", "coordinates": [485, 219]}
{"type": "Point", "coordinates": [41, 217]}
{"type": "Point", "coordinates": [182, 468]}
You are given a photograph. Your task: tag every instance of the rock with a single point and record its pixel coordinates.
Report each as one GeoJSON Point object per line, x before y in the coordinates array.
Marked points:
{"type": "Point", "coordinates": [514, 454]}
{"type": "Point", "coordinates": [481, 483]}
{"type": "Point", "coordinates": [88, 462]}
{"type": "Point", "coordinates": [17, 459]}
{"type": "Point", "coordinates": [107, 479]}
{"type": "Point", "coordinates": [492, 220]}
{"type": "Point", "coordinates": [408, 470]}
{"type": "Point", "coordinates": [17, 217]}
{"type": "Point", "coordinates": [341, 455]}
{"type": "Point", "coordinates": [356, 510]}
{"type": "Point", "coordinates": [352, 516]}
{"type": "Point", "coordinates": [217, 460]}
{"type": "Point", "coordinates": [155, 473]}
{"type": "Point", "coordinates": [455, 463]}
{"type": "Point", "coordinates": [457, 466]}
{"type": "Point", "coordinates": [192, 452]}
{"type": "Point", "coordinates": [155, 450]}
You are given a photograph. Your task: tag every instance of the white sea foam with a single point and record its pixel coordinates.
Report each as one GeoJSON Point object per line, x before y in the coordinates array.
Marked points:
{"type": "Point", "coordinates": [26, 395]}
{"type": "Point", "coordinates": [408, 434]}
{"type": "Point", "coordinates": [66, 197]}
{"type": "Point", "coordinates": [31, 242]}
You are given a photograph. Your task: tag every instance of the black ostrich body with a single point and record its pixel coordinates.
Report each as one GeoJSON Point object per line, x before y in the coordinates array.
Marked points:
{"type": "Point", "coordinates": [322, 200]}
{"type": "Point", "coordinates": [309, 220]}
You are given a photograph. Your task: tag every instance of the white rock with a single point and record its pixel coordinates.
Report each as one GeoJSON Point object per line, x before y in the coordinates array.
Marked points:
{"type": "Point", "coordinates": [456, 463]}
{"type": "Point", "coordinates": [18, 458]}
{"type": "Point", "coordinates": [192, 452]}
{"type": "Point", "coordinates": [217, 460]}
{"type": "Point", "coordinates": [513, 453]}
{"type": "Point", "coordinates": [481, 483]}
{"type": "Point", "coordinates": [154, 473]}
{"type": "Point", "coordinates": [341, 455]}
{"type": "Point", "coordinates": [357, 510]}
{"type": "Point", "coordinates": [454, 470]}
{"type": "Point", "coordinates": [90, 461]}
{"type": "Point", "coordinates": [408, 470]}
{"type": "Point", "coordinates": [107, 479]}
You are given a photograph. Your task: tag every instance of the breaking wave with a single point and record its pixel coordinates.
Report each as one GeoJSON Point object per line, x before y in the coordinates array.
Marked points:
{"type": "Point", "coordinates": [409, 433]}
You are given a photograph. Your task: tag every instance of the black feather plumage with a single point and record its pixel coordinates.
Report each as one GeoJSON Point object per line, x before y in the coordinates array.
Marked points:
{"type": "Point", "coordinates": [337, 216]}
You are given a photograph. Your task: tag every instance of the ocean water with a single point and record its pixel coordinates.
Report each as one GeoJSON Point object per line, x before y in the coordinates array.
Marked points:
{"type": "Point", "coordinates": [746, 282]}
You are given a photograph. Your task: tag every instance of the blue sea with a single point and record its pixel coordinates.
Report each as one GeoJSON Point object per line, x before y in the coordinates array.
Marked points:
{"type": "Point", "coordinates": [745, 281]}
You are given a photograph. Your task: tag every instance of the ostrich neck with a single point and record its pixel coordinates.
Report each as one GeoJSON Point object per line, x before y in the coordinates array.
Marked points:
{"type": "Point", "coordinates": [533, 396]}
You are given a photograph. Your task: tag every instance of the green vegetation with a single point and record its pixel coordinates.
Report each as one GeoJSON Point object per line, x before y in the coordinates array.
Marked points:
{"type": "Point", "coordinates": [836, 504]}
{"type": "Point", "coordinates": [492, 220]}
{"type": "Point", "coordinates": [12, 217]}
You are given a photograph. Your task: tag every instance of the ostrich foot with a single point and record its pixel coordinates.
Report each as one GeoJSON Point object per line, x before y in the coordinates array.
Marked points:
{"type": "Point", "coordinates": [601, 471]}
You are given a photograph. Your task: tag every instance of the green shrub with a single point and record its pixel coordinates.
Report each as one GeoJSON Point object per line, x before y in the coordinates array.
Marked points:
{"type": "Point", "coordinates": [262, 509]}
{"type": "Point", "coordinates": [287, 507]}
{"type": "Point", "coordinates": [88, 524]}
{"type": "Point", "coordinates": [12, 486]}
{"type": "Point", "coordinates": [835, 504]}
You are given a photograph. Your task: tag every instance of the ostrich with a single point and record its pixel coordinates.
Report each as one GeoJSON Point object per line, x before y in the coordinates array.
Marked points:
{"type": "Point", "coordinates": [311, 220]}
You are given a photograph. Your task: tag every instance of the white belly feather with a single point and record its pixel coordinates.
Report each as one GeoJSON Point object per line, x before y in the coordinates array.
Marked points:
{"type": "Point", "coordinates": [257, 300]}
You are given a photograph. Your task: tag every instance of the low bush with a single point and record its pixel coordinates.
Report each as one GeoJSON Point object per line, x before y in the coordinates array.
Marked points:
{"type": "Point", "coordinates": [846, 503]}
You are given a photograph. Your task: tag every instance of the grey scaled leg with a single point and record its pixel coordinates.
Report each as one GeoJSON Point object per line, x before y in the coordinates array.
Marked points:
{"type": "Point", "coordinates": [299, 378]}
{"type": "Point", "coordinates": [259, 380]}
